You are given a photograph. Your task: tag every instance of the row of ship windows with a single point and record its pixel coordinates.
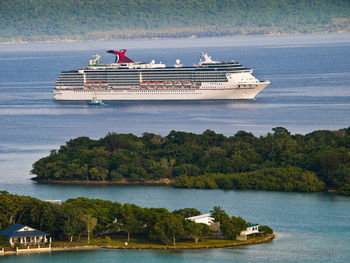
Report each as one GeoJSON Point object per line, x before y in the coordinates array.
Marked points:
{"type": "Point", "coordinates": [146, 73]}
{"type": "Point", "coordinates": [128, 82]}
{"type": "Point", "coordinates": [142, 76]}
{"type": "Point", "coordinates": [167, 93]}
{"type": "Point", "coordinates": [150, 76]}
{"type": "Point", "coordinates": [153, 73]}
{"type": "Point", "coordinates": [145, 77]}
{"type": "Point", "coordinates": [135, 82]}
{"type": "Point", "coordinates": [153, 78]}
{"type": "Point", "coordinates": [156, 71]}
{"type": "Point", "coordinates": [145, 91]}
{"type": "Point", "coordinates": [137, 91]}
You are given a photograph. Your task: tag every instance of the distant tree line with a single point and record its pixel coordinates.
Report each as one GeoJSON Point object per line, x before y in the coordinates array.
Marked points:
{"type": "Point", "coordinates": [83, 216]}
{"type": "Point", "coordinates": [278, 161]}
{"type": "Point", "coordinates": [107, 19]}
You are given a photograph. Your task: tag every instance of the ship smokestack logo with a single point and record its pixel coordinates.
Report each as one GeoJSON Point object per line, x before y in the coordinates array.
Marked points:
{"type": "Point", "coordinates": [120, 56]}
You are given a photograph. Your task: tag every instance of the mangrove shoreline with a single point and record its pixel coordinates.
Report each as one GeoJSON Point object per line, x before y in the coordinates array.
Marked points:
{"type": "Point", "coordinates": [161, 181]}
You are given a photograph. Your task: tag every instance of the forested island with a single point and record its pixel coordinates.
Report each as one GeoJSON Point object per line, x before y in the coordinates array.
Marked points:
{"type": "Point", "coordinates": [278, 161]}
{"type": "Point", "coordinates": [82, 221]}
{"type": "Point", "coordinates": [41, 20]}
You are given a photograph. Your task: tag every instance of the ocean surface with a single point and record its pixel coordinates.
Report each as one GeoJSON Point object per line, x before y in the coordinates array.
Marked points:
{"type": "Point", "coordinates": [310, 89]}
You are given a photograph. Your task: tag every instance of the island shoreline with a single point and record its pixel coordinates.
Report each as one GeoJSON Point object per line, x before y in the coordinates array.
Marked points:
{"type": "Point", "coordinates": [254, 241]}
{"type": "Point", "coordinates": [194, 36]}
{"type": "Point", "coordinates": [161, 181]}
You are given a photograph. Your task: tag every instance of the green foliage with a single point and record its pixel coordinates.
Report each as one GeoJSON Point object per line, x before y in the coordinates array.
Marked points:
{"type": "Point", "coordinates": [230, 227]}
{"type": "Point", "coordinates": [85, 19]}
{"type": "Point", "coordinates": [265, 229]}
{"type": "Point", "coordinates": [278, 161]}
{"type": "Point", "coordinates": [90, 224]}
{"type": "Point", "coordinates": [196, 231]}
{"type": "Point", "coordinates": [233, 227]}
{"type": "Point", "coordinates": [131, 219]}
{"type": "Point", "coordinates": [187, 212]}
{"type": "Point", "coordinates": [168, 229]}
{"type": "Point", "coordinates": [219, 214]}
{"type": "Point", "coordinates": [274, 179]}
{"type": "Point", "coordinates": [78, 216]}
{"type": "Point", "coordinates": [71, 217]}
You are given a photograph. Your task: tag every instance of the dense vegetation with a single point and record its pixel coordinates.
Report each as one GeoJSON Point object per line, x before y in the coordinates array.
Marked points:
{"type": "Point", "coordinates": [274, 179]}
{"type": "Point", "coordinates": [79, 216]}
{"type": "Point", "coordinates": [278, 161]}
{"type": "Point", "coordinates": [23, 20]}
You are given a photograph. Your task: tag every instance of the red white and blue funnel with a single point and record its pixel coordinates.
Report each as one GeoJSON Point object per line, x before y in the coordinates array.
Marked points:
{"type": "Point", "coordinates": [120, 56]}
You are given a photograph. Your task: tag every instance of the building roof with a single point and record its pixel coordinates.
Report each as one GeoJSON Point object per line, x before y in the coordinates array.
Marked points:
{"type": "Point", "coordinates": [199, 217]}
{"type": "Point", "coordinates": [253, 225]}
{"type": "Point", "coordinates": [17, 230]}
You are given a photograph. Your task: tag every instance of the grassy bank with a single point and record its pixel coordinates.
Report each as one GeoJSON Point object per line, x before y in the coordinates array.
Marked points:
{"type": "Point", "coordinates": [138, 243]}
{"type": "Point", "coordinates": [115, 243]}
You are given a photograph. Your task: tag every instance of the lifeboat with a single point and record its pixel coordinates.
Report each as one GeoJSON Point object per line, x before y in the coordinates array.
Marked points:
{"type": "Point", "coordinates": [187, 83]}
{"type": "Point", "coordinates": [148, 83]}
{"type": "Point", "coordinates": [96, 84]}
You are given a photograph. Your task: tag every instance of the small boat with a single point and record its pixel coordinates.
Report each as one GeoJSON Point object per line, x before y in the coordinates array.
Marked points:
{"type": "Point", "coordinates": [96, 101]}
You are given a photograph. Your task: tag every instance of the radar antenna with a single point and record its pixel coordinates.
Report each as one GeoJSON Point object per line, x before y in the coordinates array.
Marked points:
{"type": "Point", "coordinates": [95, 60]}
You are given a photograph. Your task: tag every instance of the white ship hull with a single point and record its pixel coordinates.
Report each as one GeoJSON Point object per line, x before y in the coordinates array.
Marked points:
{"type": "Point", "coordinates": [126, 80]}
{"type": "Point", "coordinates": [130, 94]}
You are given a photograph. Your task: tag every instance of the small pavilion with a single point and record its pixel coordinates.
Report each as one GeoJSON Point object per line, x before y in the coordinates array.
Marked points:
{"type": "Point", "coordinates": [25, 235]}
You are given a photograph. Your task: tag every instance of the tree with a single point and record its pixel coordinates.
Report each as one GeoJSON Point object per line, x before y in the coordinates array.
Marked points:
{"type": "Point", "coordinates": [219, 214]}
{"type": "Point", "coordinates": [196, 230]}
{"type": "Point", "coordinates": [72, 220]}
{"type": "Point", "coordinates": [168, 229]}
{"type": "Point", "coordinates": [265, 229]}
{"type": "Point", "coordinates": [187, 212]}
{"type": "Point", "coordinates": [90, 223]}
{"type": "Point", "coordinates": [280, 132]}
{"type": "Point", "coordinates": [129, 221]}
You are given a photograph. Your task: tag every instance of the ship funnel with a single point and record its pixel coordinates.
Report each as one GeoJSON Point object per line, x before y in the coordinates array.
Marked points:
{"type": "Point", "coordinates": [120, 56]}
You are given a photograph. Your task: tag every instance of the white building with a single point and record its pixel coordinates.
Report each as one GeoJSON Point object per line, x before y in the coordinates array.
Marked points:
{"type": "Point", "coordinates": [55, 202]}
{"type": "Point", "coordinates": [25, 235]}
{"type": "Point", "coordinates": [205, 219]}
{"type": "Point", "coordinates": [251, 229]}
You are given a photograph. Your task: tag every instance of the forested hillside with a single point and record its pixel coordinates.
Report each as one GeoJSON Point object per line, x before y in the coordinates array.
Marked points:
{"type": "Point", "coordinates": [28, 20]}
{"type": "Point", "coordinates": [278, 161]}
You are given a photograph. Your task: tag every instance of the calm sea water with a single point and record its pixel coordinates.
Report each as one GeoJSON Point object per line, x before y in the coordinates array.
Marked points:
{"type": "Point", "coordinates": [310, 89]}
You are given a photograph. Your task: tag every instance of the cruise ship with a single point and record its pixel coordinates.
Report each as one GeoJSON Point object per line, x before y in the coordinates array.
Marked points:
{"type": "Point", "coordinates": [126, 80]}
